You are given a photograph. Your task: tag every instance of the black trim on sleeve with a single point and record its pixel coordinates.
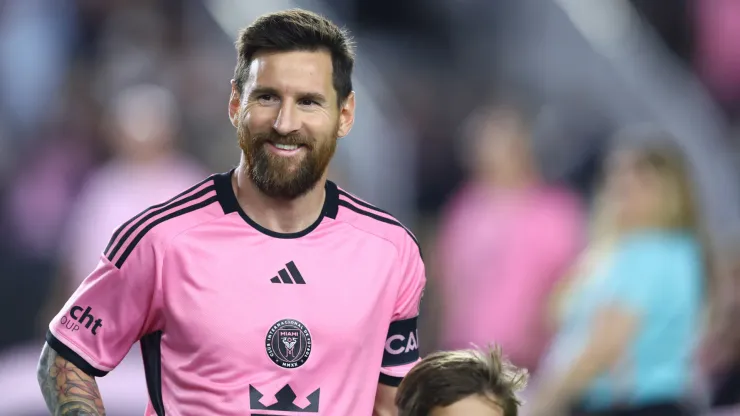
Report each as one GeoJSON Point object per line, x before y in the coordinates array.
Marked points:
{"type": "Point", "coordinates": [71, 356]}
{"type": "Point", "coordinates": [387, 380]}
{"type": "Point", "coordinates": [402, 343]}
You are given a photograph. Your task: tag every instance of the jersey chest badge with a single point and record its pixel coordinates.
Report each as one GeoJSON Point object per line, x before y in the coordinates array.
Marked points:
{"type": "Point", "coordinates": [288, 343]}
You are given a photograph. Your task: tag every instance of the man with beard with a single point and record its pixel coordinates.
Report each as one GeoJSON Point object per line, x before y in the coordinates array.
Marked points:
{"type": "Point", "coordinates": [264, 289]}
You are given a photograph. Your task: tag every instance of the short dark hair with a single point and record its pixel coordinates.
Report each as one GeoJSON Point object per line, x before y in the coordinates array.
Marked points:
{"type": "Point", "coordinates": [297, 30]}
{"type": "Point", "coordinates": [444, 378]}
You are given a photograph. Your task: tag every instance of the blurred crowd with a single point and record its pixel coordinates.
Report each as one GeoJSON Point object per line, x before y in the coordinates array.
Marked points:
{"type": "Point", "coordinates": [570, 167]}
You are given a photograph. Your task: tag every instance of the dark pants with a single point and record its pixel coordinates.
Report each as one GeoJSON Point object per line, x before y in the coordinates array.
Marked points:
{"type": "Point", "coordinates": [727, 392]}
{"type": "Point", "coordinates": [662, 409]}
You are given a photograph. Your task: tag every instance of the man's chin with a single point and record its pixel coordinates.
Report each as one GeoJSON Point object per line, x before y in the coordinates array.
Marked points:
{"type": "Point", "coordinates": [286, 164]}
{"type": "Point", "coordinates": [285, 172]}
{"type": "Point", "coordinates": [286, 190]}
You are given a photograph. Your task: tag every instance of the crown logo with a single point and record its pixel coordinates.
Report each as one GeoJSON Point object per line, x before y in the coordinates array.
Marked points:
{"type": "Point", "coordinates": [285, 398]}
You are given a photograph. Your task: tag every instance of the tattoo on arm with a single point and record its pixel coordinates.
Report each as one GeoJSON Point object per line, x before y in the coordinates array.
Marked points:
{"type": "Point", "coordinates": [68, 391]}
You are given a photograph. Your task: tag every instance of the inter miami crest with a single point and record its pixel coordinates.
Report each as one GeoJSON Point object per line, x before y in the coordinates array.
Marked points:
{"type": "Point", "coordinates": [288, 343]}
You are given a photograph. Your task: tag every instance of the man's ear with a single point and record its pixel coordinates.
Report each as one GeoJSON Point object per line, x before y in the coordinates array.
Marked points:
{"type": "Point", "coordinates": [235, 100]}
{"type": "Point", "coordinates": [347, 115]}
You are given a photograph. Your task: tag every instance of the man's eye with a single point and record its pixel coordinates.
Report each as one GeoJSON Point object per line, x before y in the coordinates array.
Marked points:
{"type": "Point", "coordinates": [307, 102]}
{"type": "Point", "coordinates": [267, 97]}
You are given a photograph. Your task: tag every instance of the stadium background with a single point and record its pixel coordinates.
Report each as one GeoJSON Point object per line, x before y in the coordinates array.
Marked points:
{"type": "Point", "coordinates": [588, 69]}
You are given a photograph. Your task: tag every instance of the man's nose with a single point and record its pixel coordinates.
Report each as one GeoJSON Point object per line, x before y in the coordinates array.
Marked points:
{"type": "Point", "coordinates": [287, 120]}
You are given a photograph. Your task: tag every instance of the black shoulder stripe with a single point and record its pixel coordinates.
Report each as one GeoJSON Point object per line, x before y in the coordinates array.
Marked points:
{"type": "Point", "coordinates": [173, 199]}
{"type": "Point", "coordinates": [71, 356]}
{"type": "Point", "coordinates": [361, 202]}
{"type": "Point", "coordinates": [373, 207]}
{"type": "Point", "coordinates": [158, 221]}
{"type": "Point", "coordinates": [377, 217]}
{"type": "Point", "coordinates": [153, 214]}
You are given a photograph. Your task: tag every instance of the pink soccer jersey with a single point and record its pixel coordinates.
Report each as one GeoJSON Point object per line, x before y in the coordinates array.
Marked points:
{"type": "Point", "coordinates": [235, 319]}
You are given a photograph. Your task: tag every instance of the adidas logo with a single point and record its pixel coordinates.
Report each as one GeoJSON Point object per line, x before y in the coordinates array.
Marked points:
{"type": "Point", "coordinates": [285, 275]}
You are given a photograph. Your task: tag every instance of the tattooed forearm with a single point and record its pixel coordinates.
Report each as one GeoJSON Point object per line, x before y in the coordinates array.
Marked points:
{"type": "Point", "coordinates": [77, 409]}
{"type": "Point", "coordinates": [68, 391]}
{"type": "Point", "coordinates": [48, 384]}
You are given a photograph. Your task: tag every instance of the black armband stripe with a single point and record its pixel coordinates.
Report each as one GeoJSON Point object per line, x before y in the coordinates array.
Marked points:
{"type": "Point", "coordinates": [71, 356]}
{"type": "Point", "coordinates": [387, 380]}
{"type": "Point", "coordinates": [402, 344]}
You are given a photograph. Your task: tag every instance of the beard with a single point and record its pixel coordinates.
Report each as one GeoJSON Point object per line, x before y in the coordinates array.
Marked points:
{"type": "Point", "coordinates": [285, 177]}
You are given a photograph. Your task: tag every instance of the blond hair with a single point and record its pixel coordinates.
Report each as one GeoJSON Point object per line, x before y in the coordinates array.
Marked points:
{"type": "Point", "coordinates": [679, 209]}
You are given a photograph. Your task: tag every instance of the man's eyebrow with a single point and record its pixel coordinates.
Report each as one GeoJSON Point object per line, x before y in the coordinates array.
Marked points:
{"type": "Point", "coordinates": [313, 96]}
{"type": "Point", "coordinates": [261, 90]}
{"type": "Point", "coordinates": [264, 90]}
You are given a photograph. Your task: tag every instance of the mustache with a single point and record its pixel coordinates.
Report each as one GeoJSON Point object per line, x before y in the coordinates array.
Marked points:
{"type": "Point", "coordinates": [291, 139]}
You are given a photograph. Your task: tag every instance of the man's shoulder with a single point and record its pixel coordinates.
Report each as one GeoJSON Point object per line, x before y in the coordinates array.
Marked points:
{"type": "Point", "coordinates": [158, 224]}
{"type": "Point", "coordinates": [369, 218]}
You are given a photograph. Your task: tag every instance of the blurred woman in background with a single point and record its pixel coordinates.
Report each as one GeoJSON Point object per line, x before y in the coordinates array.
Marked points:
{"type": "Point", "coordinates": [506, 237]}
{"type": "Point", "coordinates": [630, 319]}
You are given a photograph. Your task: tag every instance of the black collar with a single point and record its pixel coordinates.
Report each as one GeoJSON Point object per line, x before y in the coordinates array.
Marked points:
{"type": "Point", "coordinates": [229, 204]}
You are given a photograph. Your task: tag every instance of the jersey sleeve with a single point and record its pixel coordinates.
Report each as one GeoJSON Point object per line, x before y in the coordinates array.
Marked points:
{"type": "Point", "coordinates": [402, 341]}
{"type": "Point", "coordinates": [110, 311]}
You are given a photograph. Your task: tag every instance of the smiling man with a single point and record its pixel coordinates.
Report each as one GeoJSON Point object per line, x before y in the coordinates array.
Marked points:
{"type": "Point", "coordinates": [265, 289]}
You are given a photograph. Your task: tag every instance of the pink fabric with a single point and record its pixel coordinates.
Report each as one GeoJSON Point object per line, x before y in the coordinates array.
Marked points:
{"type": "Point", "coordinates": [501, 253]}
{"type": "Point", "coordinates": [115, 193]}
{"type": "Point", "coordinates": [718, 46]}
{"type": "Point", "coordinates": [207, 280]}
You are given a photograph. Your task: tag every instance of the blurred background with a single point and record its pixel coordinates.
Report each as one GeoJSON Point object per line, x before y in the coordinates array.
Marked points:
{"type": "Point", "coordinates": [497, 130]}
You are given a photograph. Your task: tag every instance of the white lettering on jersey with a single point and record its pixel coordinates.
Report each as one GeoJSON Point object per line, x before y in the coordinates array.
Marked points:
{"type": "Point", "coordinates": [398, 344]}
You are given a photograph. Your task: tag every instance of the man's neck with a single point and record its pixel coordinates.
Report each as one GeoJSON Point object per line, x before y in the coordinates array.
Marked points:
{"type": "Point", "coordinates": [281, 216]}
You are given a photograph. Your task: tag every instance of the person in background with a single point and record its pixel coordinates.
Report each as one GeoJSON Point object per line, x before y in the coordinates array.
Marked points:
{"type": "Point", "coordinates": [506, 238]}
{"type": "Point", "coordinates": [462, 383]}
{"type": "Point", "coordinates": [220, 284]}
{"type": "Point", "coordinates": [146, 168]}
{"type": "Point", "coordinates": [630, 316]}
